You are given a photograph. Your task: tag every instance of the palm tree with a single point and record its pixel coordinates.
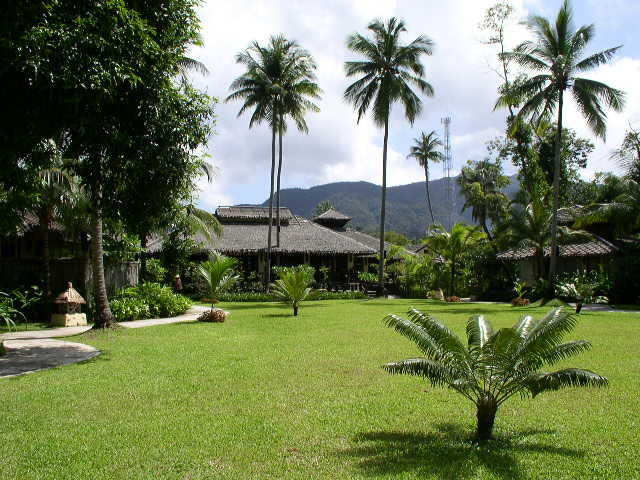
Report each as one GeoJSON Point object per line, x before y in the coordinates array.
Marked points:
{"type": "Point", "coordinates": [292, 288]}
{"type": "Point", "coordinates": [277, 82]}
{"type": "Point", "coordinates": [218, 273]}
{"type": "Point", "coordinates": [494, 365]}
{"type": "Point", "coordinates": [556, 55]}
{"type": "Point", "coordinates": [623, 212]}
{"type": "Point", "coordinates": [387, 73]}
{"type": "Point", "coordinates": [453, 246]}
{"type": "Point", "coordinates": [482, 183]}
{"type": "Point", "coordinates": [530, 227]}
{"type": "Point", "coordinates": [425, 150]}
{"type": "Point", "coordinates": [296, 88]}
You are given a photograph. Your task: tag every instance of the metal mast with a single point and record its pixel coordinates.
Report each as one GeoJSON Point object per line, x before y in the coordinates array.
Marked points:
{"type": "Point", "coordinates": [447, 166]}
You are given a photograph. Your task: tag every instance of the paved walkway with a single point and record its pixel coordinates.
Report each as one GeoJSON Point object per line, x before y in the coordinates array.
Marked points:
{"type": "Point", "coordinates": [35, 350]}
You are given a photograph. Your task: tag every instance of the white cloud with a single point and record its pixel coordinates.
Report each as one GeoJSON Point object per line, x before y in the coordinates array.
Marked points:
{"type": "Point", "coordinates": [336, 148]}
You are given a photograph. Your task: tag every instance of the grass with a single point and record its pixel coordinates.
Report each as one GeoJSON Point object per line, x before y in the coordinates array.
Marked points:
{"type": "Point", "coordinates": [22, 326]}
{"type": "Point", "coordinates": [266, 395]}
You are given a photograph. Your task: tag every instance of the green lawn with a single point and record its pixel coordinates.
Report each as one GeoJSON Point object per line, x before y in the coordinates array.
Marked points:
{"type": "Point", "coordinates": [267, 395]}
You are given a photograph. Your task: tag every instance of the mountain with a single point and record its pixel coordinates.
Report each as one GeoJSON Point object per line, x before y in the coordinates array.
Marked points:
{"type": "Point", "coordinates": [406, 204]}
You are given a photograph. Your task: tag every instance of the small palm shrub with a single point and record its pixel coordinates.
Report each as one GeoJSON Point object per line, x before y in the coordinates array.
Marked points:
{"type": "Point", "coordinates": [292, 288]}
{"type": "Point", "coordinates": [494, 365]}
{"type": "Point", "coordinates": [218, 273]}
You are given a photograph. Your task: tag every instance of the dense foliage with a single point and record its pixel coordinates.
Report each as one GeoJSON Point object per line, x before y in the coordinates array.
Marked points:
{"type": "Point", "coordinates": [148, 300]}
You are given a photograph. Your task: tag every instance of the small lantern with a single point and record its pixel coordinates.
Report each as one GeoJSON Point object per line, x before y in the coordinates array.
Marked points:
{"type": "Point", "coordinates": [69, 311]}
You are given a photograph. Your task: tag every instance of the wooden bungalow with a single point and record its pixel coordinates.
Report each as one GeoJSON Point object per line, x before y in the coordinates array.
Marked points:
{"type": "Point", "coordinates": [244, 236]}
{"type": "Point", "coordinates": [592, 255]}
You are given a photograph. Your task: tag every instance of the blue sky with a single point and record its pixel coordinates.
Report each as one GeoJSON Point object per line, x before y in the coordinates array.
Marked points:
{"type": "Point", "coordinates": [336, 149]}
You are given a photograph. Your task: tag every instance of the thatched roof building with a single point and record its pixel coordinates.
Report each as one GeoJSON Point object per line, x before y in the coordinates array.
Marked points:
{"type": "Point", "coordinates": [245, 231]}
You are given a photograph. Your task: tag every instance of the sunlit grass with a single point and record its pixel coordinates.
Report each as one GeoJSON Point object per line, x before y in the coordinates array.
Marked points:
{"type": "Point", "coordinates": [267, 395]}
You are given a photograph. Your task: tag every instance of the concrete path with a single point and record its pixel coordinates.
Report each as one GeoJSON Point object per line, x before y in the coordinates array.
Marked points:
{"type": "Point", "coordinates": [35, 350]}
{"type": "Point", "coordinates": [26, 356]}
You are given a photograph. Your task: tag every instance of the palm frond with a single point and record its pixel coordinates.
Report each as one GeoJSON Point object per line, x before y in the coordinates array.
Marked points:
{"type": "Point", "coordinates": [436, 373]}
{"type": "Point", "coordinates": [568, 377]}
{"type": "Point", "coordinates": [479, 331]}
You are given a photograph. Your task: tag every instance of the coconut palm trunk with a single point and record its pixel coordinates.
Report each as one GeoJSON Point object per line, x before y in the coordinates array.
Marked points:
{"type": "Point", "coordinates": [46, 266]}
{"type": "Point", "coordinates": [104, 317]}
{"type": "Point", "coordinates": [426, 187]}
{"type": "Point", "coordinates": [381, 289]}
{"type": "Point", "coordinates": [270, 227]}
{"type": "Point", "coordinates": [553, 258]}
{"type": "Point", "coordinates": [278, 187]}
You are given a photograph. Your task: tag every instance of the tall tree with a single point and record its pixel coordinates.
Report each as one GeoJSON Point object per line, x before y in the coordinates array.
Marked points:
{"type": "Point", "coordinates": [482, 183]}
{"type": "Point", "coordinates": [130, 125]}
{"type": "Point", "coordinates": [452, 246]}
{"type": "Point", "coordinates": [556, 54]}
{"type": "Point", "coordinates": [278, 82]}
{"type": "Point", "coordinates": [628, 155]}
{"type": "Point", "coordinates": [387, 73]}
{"type": "Point", "coordinates": [296, 89]}
{"type": "Point", "coordinates": [425, 149]}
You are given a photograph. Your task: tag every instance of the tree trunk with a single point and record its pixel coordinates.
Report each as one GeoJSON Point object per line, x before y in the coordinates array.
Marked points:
{"type": "Point", "coordinates": [486, 415]}
{"type": "Point", "coordinates": [143, 259]}
{"type": "Point", "coordinates": [104, 317]}
{"type": "Point", "coordinates": [553, 258]}
{"type": "Point", "coordinates": [426, 187]}
{"type": "Point", "coordinates": [381, 289]}
{"type": "Point", "coordinates": [270, 227]}
{"type": "Point", "coordinates": [295, 310]}
{"type": "Point", "coordinates": [278, 187]}
{"type": "Point", "coordinates": [46, 267]}
{"type": "Point", "coordinates": [453, 279]}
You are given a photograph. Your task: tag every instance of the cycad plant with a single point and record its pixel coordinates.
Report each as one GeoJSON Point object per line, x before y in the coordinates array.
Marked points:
{"type": "Point", "coordinates": [494, 365]}
{"type": "Point", "coordinates": [292, 288]}
{"type": "Point", "coordinates": [219, 274]}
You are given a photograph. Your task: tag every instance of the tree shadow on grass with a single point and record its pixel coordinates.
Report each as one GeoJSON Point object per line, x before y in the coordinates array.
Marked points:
{"type": "Point", "coordinates": [450, 452]}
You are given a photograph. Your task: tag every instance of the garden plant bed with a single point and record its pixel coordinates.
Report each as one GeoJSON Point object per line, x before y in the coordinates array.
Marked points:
{"type": "Point", "coordinates": [269, 395]}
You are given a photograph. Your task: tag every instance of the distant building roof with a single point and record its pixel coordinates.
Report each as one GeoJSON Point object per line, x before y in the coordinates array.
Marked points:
{"type": "Point", "coordinates": [332, 219]}
{"type": "Point", "coordinates": [597, 248]}
{"type": "Point", "coordinates": [251, 213]}
{"type": "Point", "coordinates": [299, 236]}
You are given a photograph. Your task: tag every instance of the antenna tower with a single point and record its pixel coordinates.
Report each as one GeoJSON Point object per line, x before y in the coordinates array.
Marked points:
{"type": "Point", "coordinates": [447, 166]}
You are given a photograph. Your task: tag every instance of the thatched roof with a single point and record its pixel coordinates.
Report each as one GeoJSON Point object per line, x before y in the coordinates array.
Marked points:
{"type": "Point", "coordinates": [597, 248]}
{"type": "Point", "coordinates": [366, 239]}
{"type": "Point", "coordinates": [332, 219]}
{"type": "Point", "coordinates": [70, 295]}
{"type": "Point", "coordinates": [300, 236]}
{"type": "Point", "coordinates": [250, 214]}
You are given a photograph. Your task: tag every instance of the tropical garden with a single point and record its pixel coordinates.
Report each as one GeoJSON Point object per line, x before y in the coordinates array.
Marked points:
{"type": "Point", "coordinates": [294, 385]}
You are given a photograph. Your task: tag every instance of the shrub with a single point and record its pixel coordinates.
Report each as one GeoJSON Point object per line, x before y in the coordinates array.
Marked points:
{"type": "Point", "coordinates": [520, 302]}
{"type": "Point", "coordinates": [156, 273]}
{"type": "Point", "coordinates": [215, 315]}
{"type": "Point", "coordinates": [244, 297]}
{"type": "Point", "coordinates": [345, 295]}
{"type": "Point", "coordinates": [160, 302]}
{"type": "Point", "coordinates": [584, 287]}
{"type": "Point", "coordinates": [129, 308]}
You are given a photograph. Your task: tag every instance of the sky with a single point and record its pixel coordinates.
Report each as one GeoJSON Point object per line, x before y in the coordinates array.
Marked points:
{"type": "Point", "coordinates": [461, 71]}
